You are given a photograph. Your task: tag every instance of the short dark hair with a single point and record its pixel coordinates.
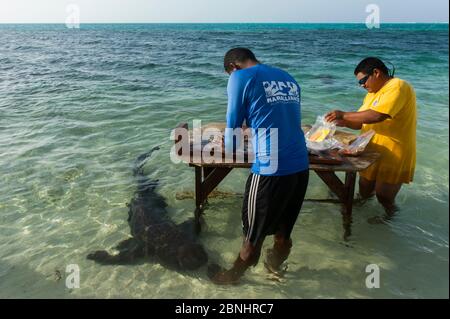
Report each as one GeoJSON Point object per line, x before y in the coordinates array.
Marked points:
{"type": "Point", "coordinates": [367, 66]}
{"type": "Point", "coordinates": [237, 55]}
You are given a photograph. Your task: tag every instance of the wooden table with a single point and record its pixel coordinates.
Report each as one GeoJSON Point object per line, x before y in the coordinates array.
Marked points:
{"type": "Point", "coordinates": [209, 175]}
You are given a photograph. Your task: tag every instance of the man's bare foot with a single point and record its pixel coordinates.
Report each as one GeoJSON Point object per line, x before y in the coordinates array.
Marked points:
{"type": "Point", "coordinates": [377, 220]}
{"type": "Point", "coordinates": [391, 210]}
{"type": "Point", "coordinates": [277, 272]}
{"type": "Point", "coordinates": [221, 276]}
{"type": "Point", "coordinates": [274, 263]}
{"type": "Point", "coordinates": [360, 200]}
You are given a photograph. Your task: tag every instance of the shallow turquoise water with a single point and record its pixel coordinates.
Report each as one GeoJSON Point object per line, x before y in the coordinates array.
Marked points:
{"type": "Point", "coordinates": [78, 106]}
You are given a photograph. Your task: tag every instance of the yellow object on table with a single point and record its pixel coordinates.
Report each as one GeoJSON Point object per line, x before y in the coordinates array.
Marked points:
{"type": "Point", "coordinates": [319, 135]}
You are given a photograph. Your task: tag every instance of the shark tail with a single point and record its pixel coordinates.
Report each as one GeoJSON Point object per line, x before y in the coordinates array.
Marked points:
{"type": "Point", "coordinates": [141, 160]}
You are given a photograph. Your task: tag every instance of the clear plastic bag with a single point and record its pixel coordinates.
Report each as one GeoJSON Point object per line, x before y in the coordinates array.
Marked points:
{"type": "Point", "coordinates": [320, 136]}
{"type": "Point", "coordinates": [358, 145]}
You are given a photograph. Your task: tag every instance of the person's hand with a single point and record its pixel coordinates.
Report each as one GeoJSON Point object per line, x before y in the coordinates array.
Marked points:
{"type": "Point", "coordinates": [334, 115]}
{"type": "Point", "coordinates": [218, 140]}
{"type": "Point", "coordinates": [340, 123]}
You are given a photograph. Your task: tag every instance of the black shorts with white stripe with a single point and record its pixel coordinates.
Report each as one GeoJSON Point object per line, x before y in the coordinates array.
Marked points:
{"type": "Point", "coordinates": [272, 204]}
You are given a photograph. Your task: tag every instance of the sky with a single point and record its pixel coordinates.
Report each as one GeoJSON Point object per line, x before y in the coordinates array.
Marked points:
{"type": "Point", "coordinates": [222, 11]}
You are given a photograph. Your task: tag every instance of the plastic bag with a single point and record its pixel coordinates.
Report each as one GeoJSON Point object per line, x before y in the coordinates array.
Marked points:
{"type": "Point", "coordinates": [358, 145]}
{"type": "Point", "coordinates": [319, 137]}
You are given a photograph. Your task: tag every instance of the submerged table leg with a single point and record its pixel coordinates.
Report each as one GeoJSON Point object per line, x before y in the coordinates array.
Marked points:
{"type": "Point", "coordinates": [350, 179]}
{"type": "Point", "coordinates": [198, 198]}
{"type": "Point", "coordinates": [345, 193]}
{"type": "Point", "coordinates": [206, 179]}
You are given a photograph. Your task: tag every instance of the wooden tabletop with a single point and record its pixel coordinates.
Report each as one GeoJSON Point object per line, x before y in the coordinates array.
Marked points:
{"type": "Point", "coordinates": [348, 164]}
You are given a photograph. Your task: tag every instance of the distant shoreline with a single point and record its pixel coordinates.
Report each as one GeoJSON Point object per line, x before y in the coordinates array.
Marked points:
{"type": "Point", "coordinates": [230, 23]}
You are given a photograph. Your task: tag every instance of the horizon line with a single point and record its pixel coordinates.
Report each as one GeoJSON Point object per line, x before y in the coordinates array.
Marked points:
{"type": "Point", "coordinates": [146, 22]}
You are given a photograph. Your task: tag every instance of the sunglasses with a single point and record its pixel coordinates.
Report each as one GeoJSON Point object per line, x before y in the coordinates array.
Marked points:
{"type": "Point", "coordinates": [363, 80]}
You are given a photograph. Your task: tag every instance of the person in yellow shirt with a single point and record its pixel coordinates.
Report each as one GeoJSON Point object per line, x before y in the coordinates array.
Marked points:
{"type": "Point", "coordinates": [389, 109]}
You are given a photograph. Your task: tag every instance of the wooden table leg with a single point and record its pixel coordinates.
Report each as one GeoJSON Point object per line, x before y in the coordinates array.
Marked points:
{"type": "Point", "coordinates": [206, 172]}
{"type": "Point", "coordinates": [350, 179]}
{"type": "Point", "coordinates": [198, 198]}
{"type": "Point", "coordinates": [344, 192]}
{"type": "Point", "coordinates": [334, 184]}
{"type": "Point", "coordinates": [206, 179]}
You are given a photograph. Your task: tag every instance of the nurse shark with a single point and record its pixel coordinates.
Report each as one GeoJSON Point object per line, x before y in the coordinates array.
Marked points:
{"type": "Point", "coordinates": [155, 237]}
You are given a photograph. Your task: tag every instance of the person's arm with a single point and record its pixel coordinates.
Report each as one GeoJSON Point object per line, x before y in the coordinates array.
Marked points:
{"type": "Point", "coordinates": [387, 106]}
{"type": "Point", "coordinates": [355, 120]}
{"type": "Point", "coordinates": [351, 125]}
{"type": "Point", "coordinates": [235, 110]}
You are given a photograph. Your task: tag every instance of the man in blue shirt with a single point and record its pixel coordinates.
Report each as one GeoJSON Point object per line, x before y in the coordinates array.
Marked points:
{"type": "Point", "coordinates": [268, 100]}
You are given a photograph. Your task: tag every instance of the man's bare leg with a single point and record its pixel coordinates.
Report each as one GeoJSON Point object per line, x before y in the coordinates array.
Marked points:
{"type": "Point", "coordinates": [366, 190]}
{"type": "Point", "coordinates": [278, 254]}
{"type": "Point", "coordinates": [386, 194]}
{"type": "Point", "coordinates": [248, 256]}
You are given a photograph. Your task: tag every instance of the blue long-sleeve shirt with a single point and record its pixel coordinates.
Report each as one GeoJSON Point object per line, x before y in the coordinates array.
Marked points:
{"type": "Point", "coordinates": [268, 99]}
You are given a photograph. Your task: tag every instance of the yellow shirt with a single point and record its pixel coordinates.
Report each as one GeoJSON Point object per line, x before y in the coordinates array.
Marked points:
{"type": "Point", "coordinates": [395, 137]}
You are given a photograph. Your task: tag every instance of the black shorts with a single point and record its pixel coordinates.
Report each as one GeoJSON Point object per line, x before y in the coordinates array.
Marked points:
{"type": "Point", "coordinates": [272, 204]}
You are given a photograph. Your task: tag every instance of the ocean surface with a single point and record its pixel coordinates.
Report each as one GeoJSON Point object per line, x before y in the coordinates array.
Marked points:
{"type": "Point", "coordinates": [77, 106]}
